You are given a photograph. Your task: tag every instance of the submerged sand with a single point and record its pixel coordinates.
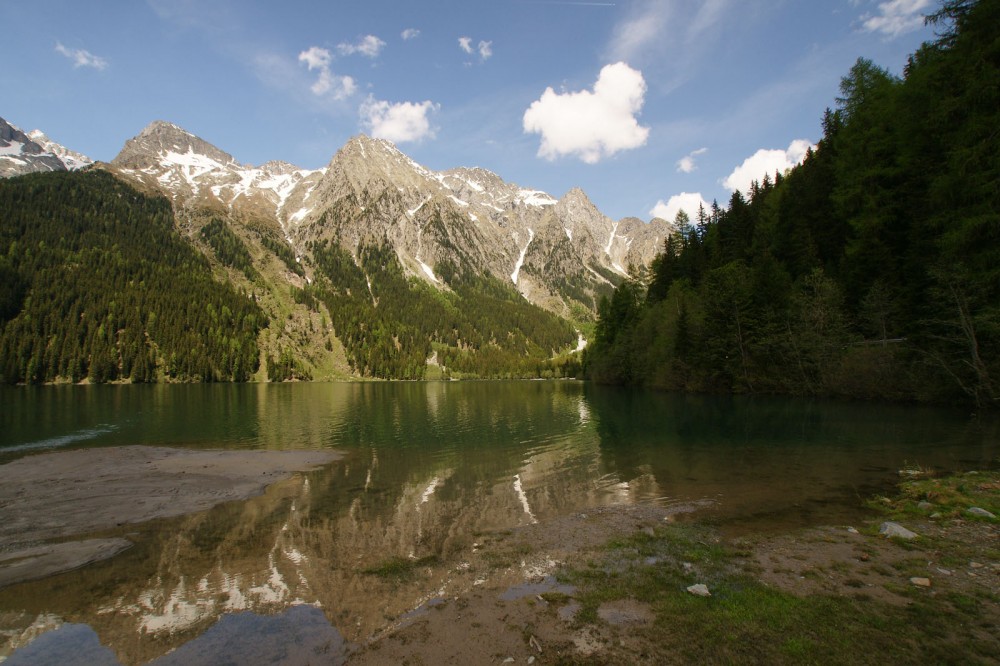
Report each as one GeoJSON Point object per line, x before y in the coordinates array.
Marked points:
{"type": "Point", "coordinates": [50, 501]}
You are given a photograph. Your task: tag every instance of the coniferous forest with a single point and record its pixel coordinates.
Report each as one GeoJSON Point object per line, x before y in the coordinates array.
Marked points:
{"type": "Point", "coordinates": [391, 325]}
{"type": "Point", "coordinates": [95, 282]}
{"type": "Point", "coordinates": [872, 270]}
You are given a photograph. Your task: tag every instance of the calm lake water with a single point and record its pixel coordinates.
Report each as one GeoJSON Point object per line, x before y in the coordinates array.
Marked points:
{"type": "Point", "coordinates": [429, 468]}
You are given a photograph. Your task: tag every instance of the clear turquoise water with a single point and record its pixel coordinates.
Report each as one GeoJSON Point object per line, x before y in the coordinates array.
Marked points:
{"type": "Point", "coordinates": [428, 468]}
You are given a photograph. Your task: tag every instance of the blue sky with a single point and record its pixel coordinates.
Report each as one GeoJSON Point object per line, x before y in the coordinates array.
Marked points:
{"type": "Point", "coordinates": [635, 101]}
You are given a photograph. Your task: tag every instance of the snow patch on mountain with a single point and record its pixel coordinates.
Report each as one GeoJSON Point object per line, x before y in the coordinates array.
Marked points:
{"type": "Point", "coordinates": [535, 198]}
{"type": "Point", "coordinates": [520, 260]}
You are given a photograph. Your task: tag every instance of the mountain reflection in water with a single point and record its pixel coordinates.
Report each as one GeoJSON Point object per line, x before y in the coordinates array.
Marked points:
{"type": "Point", "coordinates": [430, 469]}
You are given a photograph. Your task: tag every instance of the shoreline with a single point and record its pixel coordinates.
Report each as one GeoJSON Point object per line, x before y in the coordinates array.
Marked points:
{"type": "Point", "coordinates": [52, 500]}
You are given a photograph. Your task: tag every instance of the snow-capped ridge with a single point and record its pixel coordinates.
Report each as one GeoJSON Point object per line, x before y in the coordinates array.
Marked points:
{"type": "Point", "coordinates": [558, 253]}
{"type": "Point", "coordinates": [72, 159]}
{"type": "Point", "coordinates": [22, 153]}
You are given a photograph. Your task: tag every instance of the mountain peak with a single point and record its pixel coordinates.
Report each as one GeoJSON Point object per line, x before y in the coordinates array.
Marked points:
{"type": "Point", "coordinates": [163, 127]}
{"type": "Point", "coordinates": [161, 140]}
{"type": "Point", "coordinates": [19, 154]}
{"type": "Point", "coordinates": [369, 148]}
{"type": "Point", "coordinates": [577, 202]}
{"type": "Point", "coordinates": [72, 159]}
{"type": "Point", "coordinates": [279, 167]}
{"type": "Point", "coordinates": [364, 159]}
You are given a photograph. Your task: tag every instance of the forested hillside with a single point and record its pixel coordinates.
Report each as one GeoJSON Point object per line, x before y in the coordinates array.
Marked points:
{"type": "Point", "coordinates": [95, 282]}
{"type": "Point", "coordinates": [872, 270]}
{"type": "Point", "coordinates": [390, 324]}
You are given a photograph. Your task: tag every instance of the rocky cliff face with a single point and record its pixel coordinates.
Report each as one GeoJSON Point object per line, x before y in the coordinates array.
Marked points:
{"type": "Point", "coordinates": [559, 253]}
{"type": "Point", "coordinates": [22, 153]}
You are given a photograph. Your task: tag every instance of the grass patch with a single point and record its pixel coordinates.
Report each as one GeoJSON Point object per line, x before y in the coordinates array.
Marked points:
{"type": "Point", "coordinates": [745, 621]}
{"type": "Point", "coordinates": [503, 555]}
{"type": "Point", "coordinates": [399, 568]}
{"type": "Point", "coordinates": [949, 496]}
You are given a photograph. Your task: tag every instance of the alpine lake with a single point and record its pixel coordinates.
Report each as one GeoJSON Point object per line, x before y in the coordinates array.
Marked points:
{"type": "Point", "coordinates": [429, 469]}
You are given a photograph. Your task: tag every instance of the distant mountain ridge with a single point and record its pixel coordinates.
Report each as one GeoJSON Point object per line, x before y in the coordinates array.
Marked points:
{"type": "Point", "coordinates": [33, 152]}
{"type": "Point", "coordinates": [373, 265]}
{"type": "Point", "coordinates": [558, 253]}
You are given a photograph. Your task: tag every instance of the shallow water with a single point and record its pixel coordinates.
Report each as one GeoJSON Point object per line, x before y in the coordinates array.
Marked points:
{"type": "Point", "coordinates": [429, 467]}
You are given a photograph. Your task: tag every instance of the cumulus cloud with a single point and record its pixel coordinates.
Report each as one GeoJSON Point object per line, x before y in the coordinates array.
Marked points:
{"type": "Point", "coordinates": [327, 83]}
{"type": "Point", "coordinates": [766, 162]}
{"type": "Point", "coordinates": [689, 202]}
{"type": "Point", "coordinates": [409, 33]}
{"type": "Point", "coordinates": [82, 58]}
{"type": "Point", "coordinates": [369, 46]}
{"type": "Point", "coordinates": [316, 57]}
{"type": "Point", "coordinates": [484, 48]}
{"type": "Point", "coordinates": [399, 122]}
{"type": "Point", "coordinates": [591, 124]}
{"type": "Point", "coordinates": [896, 17]}
{"type": "Point", "coordinates": [686, 164]}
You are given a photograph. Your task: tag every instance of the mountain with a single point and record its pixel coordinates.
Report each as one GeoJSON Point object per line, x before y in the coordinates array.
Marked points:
{"type": "Point", "coordinates": [22, 153]}
{"type": "Point", "coordinates": [191, 171]}
{"type": "Point", "coordinates": [70, 158]}
{"type": "Point", "coordinates": [371, 266]}
{"type": "Point", "coordinates": [560, 254]}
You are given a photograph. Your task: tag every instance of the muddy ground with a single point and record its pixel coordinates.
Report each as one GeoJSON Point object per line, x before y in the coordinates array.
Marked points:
{"type": "Point", "coordinates": [520, 612]}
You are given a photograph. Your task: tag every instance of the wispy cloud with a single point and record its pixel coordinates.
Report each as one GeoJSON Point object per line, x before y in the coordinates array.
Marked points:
{"type": "Point", "coordinates": [369, 46]}
{"type": "Point", "coordinates": [896, 17]}
{"type": "Point", "coordinates": [82, 57]}
{"type": "Point", "coordinates": [327, 83]}
{"type": "Point", "coordinates": [644, 25]}
{"type": "Point", "coordinates": [668, 38]}
{"type": "Point", "coordinates": [686, 164]}
{"type": "Point", "coordinates": [398, 122]}
{"type": "Point", "coordinates": [409, 33]}
{"type": "Point", "coordinates": [484, 48]}
{"type": "Point", "coordinates": [591, 124]}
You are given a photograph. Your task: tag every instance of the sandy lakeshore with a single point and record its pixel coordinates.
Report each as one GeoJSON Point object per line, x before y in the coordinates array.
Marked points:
{"type": "Point", "coordinates": [47, 500]}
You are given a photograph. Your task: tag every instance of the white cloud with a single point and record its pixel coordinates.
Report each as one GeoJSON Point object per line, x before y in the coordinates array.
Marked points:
{"type": "Point", "coordinates": [338, 87]}
{"type": "Point", "coordinates": [686, 164]}
{"type": "Point", "coordinates": [766, 162]}
{"type": "Point", "coordinates": [896, 17]}
{"type": "Point", "coordinates": [400, 122]}
{"type": "Point", "coordinates": [369, 46]}
{"type": "Point", "coordinates": [82, 58]}
{"type": "Point", "coordinates": [591, 124]}
{"type": "Point", "coordinates": [316, 58]}
{"type": "Point", "coordinates": [685, 201]}
{"type": "Point", "coordinates": [409, 33]}
{"type": "Point", "coordinates": [484, 48]}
